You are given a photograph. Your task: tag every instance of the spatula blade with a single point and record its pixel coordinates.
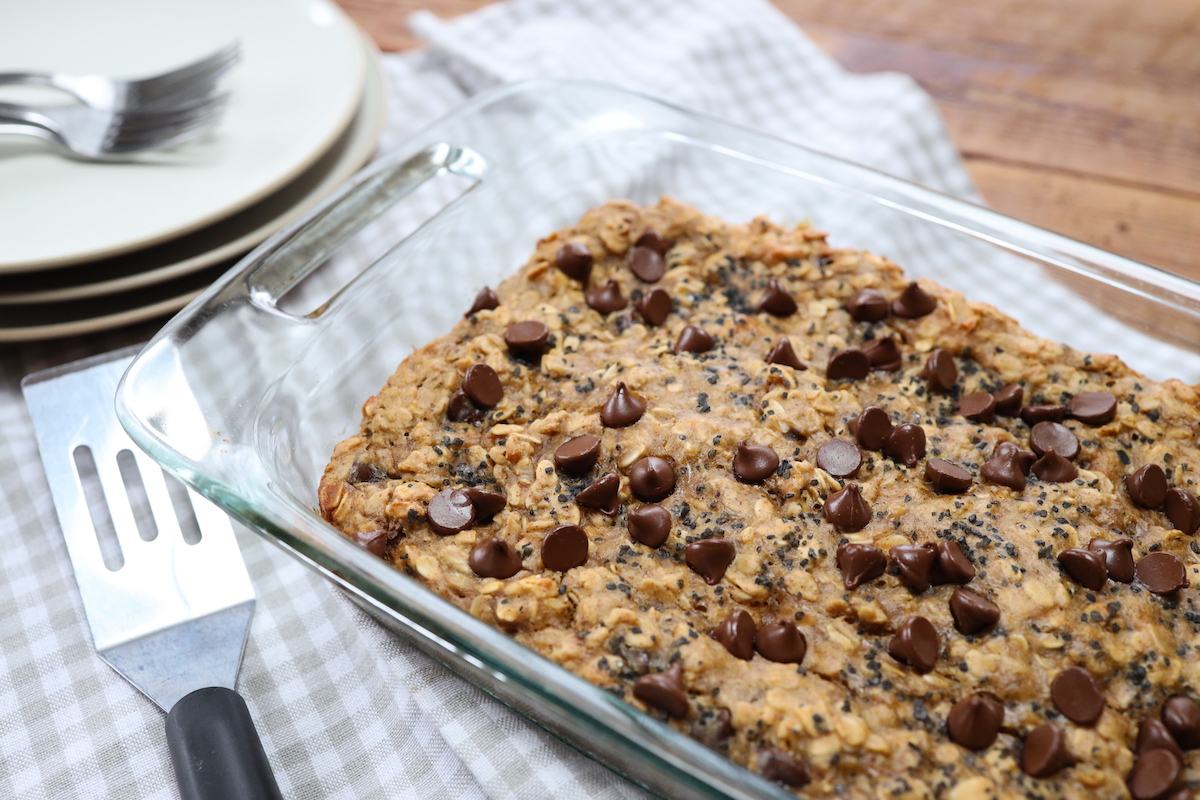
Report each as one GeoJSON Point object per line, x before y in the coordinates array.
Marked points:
{"type": "Point", "coordinates": [174, 615]}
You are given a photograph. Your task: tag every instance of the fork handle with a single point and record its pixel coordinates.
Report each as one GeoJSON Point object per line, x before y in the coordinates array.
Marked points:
{"type": "Point", "coordinates": [215, 749]}
{"type": "Point", "coordinates": [11, 112]}
{"type": "Point", "coordinates": [26, 78]}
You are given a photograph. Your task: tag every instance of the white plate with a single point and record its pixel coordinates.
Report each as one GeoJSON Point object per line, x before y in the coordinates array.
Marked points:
{"type": "Point", "coordinates": [292, 95]}
{"type": "Point", "coordinates": [222, 240]}
{"type": "Point", "coordinates": [177, 284]}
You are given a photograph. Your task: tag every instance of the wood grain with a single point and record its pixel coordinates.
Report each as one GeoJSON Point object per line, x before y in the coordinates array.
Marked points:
{"type": "Point", "coordinates": [1081, 116]}
{"type": "Point", "coordinates": [385, 20]}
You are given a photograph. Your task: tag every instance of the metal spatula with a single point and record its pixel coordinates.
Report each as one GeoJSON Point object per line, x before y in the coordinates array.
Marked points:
{"type": "Point", "coordinates": [160, 574]}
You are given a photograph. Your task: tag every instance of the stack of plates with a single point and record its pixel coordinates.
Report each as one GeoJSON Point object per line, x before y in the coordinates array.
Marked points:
{"type": "Point", "coordinates": [86, 247]}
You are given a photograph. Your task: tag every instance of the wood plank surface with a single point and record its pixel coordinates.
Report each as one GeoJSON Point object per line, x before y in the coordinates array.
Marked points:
{"type": "Point", "coordinates": [1081, 116]}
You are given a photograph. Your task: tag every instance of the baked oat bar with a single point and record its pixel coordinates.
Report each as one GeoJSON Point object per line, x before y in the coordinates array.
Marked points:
{"type": "Point", "coordinates": [857, 533]}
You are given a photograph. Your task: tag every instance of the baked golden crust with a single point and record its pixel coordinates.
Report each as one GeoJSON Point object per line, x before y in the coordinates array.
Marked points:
{"type": "Point", "coordinates": [857, 720]}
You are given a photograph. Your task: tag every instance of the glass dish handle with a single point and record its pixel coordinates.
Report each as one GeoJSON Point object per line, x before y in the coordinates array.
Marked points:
{"type": "Point", "coordinates": [283, 262]}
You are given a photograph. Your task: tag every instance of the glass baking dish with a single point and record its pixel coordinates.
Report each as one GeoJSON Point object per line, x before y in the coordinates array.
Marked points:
{"type": "Point", "coordinates": [244, 399]}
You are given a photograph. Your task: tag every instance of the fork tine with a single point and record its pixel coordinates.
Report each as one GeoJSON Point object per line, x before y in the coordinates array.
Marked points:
{"type": "Point", "coordinates": [126, 141]}
{"type": "Point", "coordinates": [150, 119]}
{"type": "Point", "coordinates": [178, 137]}
{"type": "Point", "coordinates": [186, 81]}
{"type": "Point", "coordinates": [218, 61]}
{"type": "Point", "coordinates": [178, 130]}
{"type": "Point", "coordinates": [102, 92]}
{"type": "Point", "coordinates": [96, 134]}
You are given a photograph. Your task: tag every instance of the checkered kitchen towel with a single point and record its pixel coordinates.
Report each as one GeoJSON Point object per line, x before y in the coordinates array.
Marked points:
{"type": "Point", "coordinates": [345, 709]}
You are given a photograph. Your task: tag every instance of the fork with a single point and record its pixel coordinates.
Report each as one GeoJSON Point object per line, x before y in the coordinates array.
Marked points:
{"type": "Point", "coordinates": [100, 135]}
{"type": "Point", "coordinates": [179, 86]}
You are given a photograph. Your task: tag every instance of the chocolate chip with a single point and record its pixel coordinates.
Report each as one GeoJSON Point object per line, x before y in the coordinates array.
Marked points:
{"type": "Point", "coordinates": [974, 722]}
{"type": "Point", "coordinates": [1154, 733]}
{"type": "Point", "coordinates": [872, 428]}
{"type": "Point", "coordinates": [754, 463]}
{"type": "Point", "coordinates": [867, 305]}
{"type": "Point", "coordinates": [1161, 573]}
{"type": "Point", "coordinates": [564, 548]}
{"type": "Point", "coordinates": [494, 558]}
{"type": "Point", "coordinates": [839, 458]}
{"type": "Point", "coordinates": [1053, 468]}
{"type": "Point", "coordinates": [1052, 437]}
{"type": "Point", "coordinates": [1008, 399]}
{"type": "Point", "coordinates": [654, 240]}
{"type": "Point", "coordinates": [482, 385]}
{"type": "Point", "coordinates": [694, 339]}
{"type": "Point", "coordinates": [946, 477]}
{"type": "Point", "coordinates": [914, 564]}
{"type": "Point", "coordinates": [1181, 715]}
{"type": "Point", "coordinates": [647, 264]}
{"type": "Point", "coordinates": [940, 372]}
{"type": "Point", "coordinates": [780, 767]}
{"type": "Point", "coordinates": [1085, 567]}
{"type": "Point", "coordinates": [1023, 458]}
{"type": "Point", "coordinates": [1045, 751]}
{"type": "Point", "coordinates": [847, 509]}
{"type": "Point", "coordinates": [883, 354]}
{"type": "Point", "coordinates": [601, 494]}
{"type": "Point", "coordinates": [1182, 508]}
{"type": "Point", "coordinates": [487, 504]}
{"type": "Point", "coordinates": [651, 479]}
{"type": "Point", "coordinates": [1118, 557]}
{"type": "Point", "coordinates": [916, 644]}
{"type": "Point", "coordinates": [374, 542]}
{"type": "Point", "coordinates": [650, 525]}
{"type": "Point", "coordinates": [450, 511]}
{"type": "Point", "coordinates": [906, 444]}
{"type": "Point", "coordinates": [527, 339]}
{"type": "Point", "coordinates": [606, 299]}
{"type": "Point", "coordinates": [977, 407]}
{"type": "Point", "coordinates": [850, 364]}
{"type": "Point", "coordinates": [362, 472]}
{"type": "Point", "coordinates": [913, 302]}
{"type": "Point", "coordinates": [783, 353]}
{"type": "Point", "coordinates": [859, 563]}
{"type": "Point", "coordinates": [622, 408]}
{"type": "Point", "coordinates": [1155, 773]}
{"type": "Point", "coordinates": [972, 611]}
{"type": "Point", "coordinates": [575, 260]}
{"type": "Point", "coordinates": [736, 634]}
{"type": "Point", "coordinates": [952, 566]}
{"type": "Point", "coordinates": [486, 300]}
{"type": "Point", "coordinates": [1076, 694]}
{"type": "Point", "coordinates": [654, 306]}
{"type": "Point", "coordinates": [709, 558]}
{"type": "Point", "coordinates": [1032, 415]}
{"type": "Point", "coordinates": [776, 300]}
{"type": "Point", "coordinates": [577, 456]}
{"type": "Point", "coordinates": [1147, 486]}
{"type": "Point", "coordinates": [461, 409]}
{"type": "Point", "coordinates": [713, 730]}
{"type": "Point", "coordinates": [1008, 466]}
{"type": "Point", "coordinates": [781, 642]}
{"type": "Point", "coordinates": [663, 690]}
{"type": "Point", "coordinates": [1093, 408]}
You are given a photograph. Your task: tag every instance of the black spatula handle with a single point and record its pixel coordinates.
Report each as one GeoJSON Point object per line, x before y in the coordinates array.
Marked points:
{"type": "Point", "coordinates": [215, 749]}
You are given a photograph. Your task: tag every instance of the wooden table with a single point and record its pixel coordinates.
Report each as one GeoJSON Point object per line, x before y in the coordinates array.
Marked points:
{"type": "Point", "coordinates": [1081, 116]}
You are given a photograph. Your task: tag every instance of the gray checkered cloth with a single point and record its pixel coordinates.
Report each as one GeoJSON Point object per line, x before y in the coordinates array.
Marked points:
{"type": "Point", "coordinates": [344, 708]}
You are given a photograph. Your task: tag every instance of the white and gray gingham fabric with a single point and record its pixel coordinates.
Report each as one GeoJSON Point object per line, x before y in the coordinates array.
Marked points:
{"type": "Point", "coordinates": [345, 709]}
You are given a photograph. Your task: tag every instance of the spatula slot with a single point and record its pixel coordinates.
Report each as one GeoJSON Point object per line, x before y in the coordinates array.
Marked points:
{"type": "Point", "coordinates": [189, 526]}
{"type": "Point", "coordinates": [102, 521]}
{"type": "Point", "coordinates": [139, 503]}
